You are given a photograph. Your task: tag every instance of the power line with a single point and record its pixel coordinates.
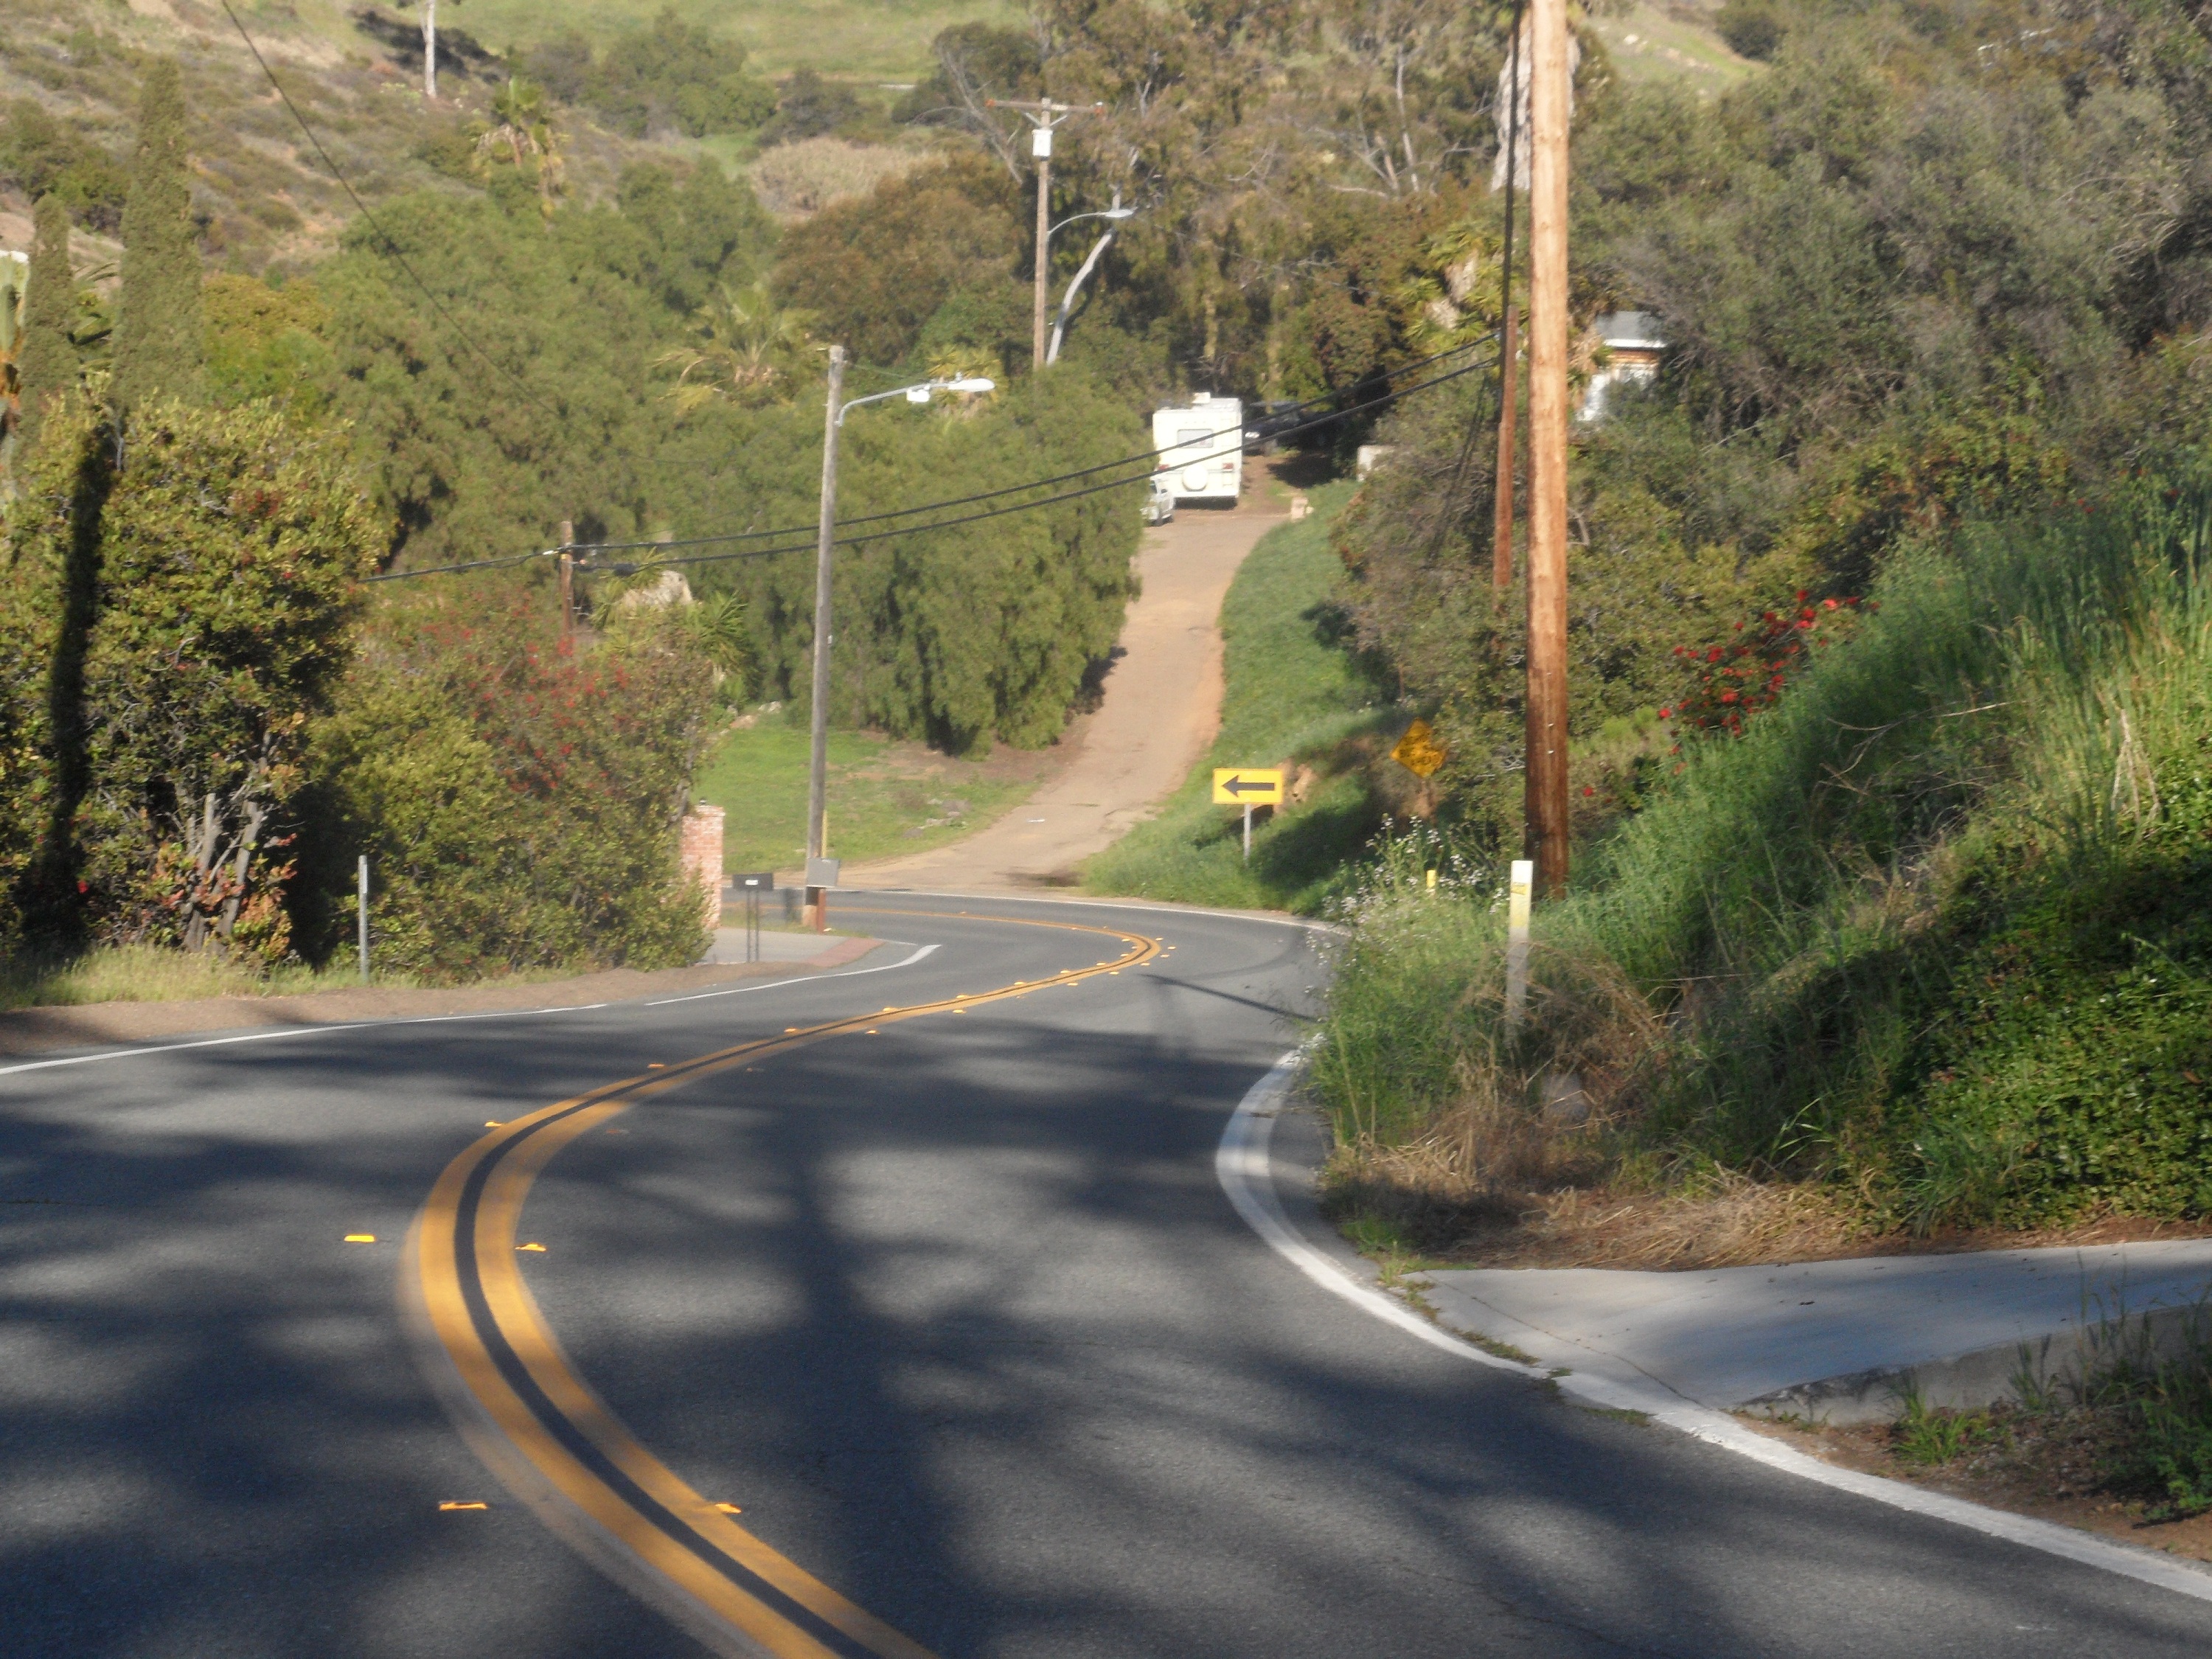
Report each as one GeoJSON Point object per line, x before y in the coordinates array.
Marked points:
{"type": "Point", "coordinates": [626, 569]}
{"type": "Point", "coordinates": [1147, 455]}
{"type": "Point", "coordinates": [390, 247]}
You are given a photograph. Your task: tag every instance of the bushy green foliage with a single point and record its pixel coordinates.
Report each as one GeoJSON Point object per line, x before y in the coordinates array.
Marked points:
{"type": "Point", "coordinates": [41, 155]}
{"type": "Point", "coordinates": [874, 271]}
{"type": "Point", "coordinates": [808, 107]}
{"type": "Point", "coordinates": [266, 342]}
{"type": "Point", "coordinates": [206, 596]}
{"type": "Point", "coordinates": [669, 74]}
{"type": "Point", "coordinates": [517, 800]}
{"type": "Point", "coordinates": [45, 357]}
{"type": "Point", "coordinates": [161, 347]}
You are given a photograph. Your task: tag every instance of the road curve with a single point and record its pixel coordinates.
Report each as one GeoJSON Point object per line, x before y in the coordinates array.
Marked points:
{"type": "Point", "coordinates": [926, 1297]}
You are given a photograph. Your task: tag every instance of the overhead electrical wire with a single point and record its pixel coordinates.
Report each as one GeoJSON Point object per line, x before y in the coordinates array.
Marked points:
{"type": "Point", "coordinates": [631, 568]}
{"type": "Point", "coordinates": [390, 247]}
{"type": "Point", "coordinates": [992, 494]}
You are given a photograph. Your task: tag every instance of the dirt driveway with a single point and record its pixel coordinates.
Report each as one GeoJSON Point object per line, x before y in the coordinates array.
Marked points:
{"type": "Point", "coordinates": [1161, 706]}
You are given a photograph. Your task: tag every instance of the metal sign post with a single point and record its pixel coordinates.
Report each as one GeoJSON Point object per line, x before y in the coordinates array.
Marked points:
{"type": "Point", "coordinates": [753, 887]}
{"type": "Point", "coordinates": [1248, 787]}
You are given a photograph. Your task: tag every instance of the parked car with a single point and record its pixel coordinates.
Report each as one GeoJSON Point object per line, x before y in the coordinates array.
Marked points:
{"type": "Point", "coordinates": [1159, 500]}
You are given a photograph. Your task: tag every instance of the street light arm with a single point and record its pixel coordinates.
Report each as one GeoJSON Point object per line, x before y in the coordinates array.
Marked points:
{"type": "Point", "coordinates": [1067, 299]}
{"type": "Point", "coordinates": [970, 383]}
{"type": "Point", "coordinates": [1115, 213]}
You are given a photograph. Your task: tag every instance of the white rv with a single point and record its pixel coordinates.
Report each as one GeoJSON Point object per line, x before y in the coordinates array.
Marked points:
{"type": "Point", "coordinates": [1202, 448]}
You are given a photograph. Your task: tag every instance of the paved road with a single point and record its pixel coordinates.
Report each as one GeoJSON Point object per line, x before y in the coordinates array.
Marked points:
{"type": "Point", "coordinates": [953, 1312]}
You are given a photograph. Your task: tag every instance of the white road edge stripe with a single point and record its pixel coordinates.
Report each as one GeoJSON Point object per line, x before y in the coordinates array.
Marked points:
{"type": "Point", "coordinates": [1242, 1165]}
{"type": "Point", "coordinates": [435, 1019]}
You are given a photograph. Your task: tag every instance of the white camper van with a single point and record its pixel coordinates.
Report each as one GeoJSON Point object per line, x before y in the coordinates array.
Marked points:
{"type": "Point", "coordinates": [1202, 448]}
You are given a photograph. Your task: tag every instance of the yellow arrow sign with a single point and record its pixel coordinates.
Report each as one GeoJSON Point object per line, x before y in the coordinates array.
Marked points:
{"type": "Point", "coordinates": [1247, 786]}
{"type": "Point", "coordinates": [1418, 751]}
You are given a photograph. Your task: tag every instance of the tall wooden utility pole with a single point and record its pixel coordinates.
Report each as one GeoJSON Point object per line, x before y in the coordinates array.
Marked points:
{"type": "Point", "coordinates": [1550, 95]}
{"type": "Point", "coordinates": [817, 767]}
{"type": "Point", "coordinates": [1508, 345]}
{"type": "Point", "coordinates": [1044, 116]}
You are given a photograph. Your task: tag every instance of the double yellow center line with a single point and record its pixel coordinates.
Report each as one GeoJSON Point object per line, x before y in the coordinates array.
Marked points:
{"type": "Point", "coordinates": [555, 1444]}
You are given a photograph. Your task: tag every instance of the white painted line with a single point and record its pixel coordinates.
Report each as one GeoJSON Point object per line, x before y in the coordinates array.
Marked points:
{"type": "Point", "coordinates": [1241, 1164]}
{"type": "Point", "coordinates": [741, 990]}
{"type": "Point", "coordinates": [429, 1019]}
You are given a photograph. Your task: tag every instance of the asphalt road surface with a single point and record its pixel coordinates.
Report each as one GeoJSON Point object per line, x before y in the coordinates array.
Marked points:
{"type": "Point", "coordinates": [945, 1305]}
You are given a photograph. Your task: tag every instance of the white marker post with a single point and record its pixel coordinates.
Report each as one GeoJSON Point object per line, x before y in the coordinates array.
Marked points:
{"type": "Point", "coordinates": [1516, 943]}
{"type": "Point", "coordinates": [361, 908]}
{"type": "Point", "coordinates": [1248, 832]}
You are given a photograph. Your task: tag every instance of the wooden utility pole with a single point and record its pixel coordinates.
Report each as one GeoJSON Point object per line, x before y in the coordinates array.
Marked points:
{"type": "Point", "coordinates": [1550, 93]}
{"type": "Point", "coordinates": [1044, 116]}
{"type": "Point", "coordinates": [818, 771]}
{"type": "Point", "coordinates": [1508, 345]}
{"type": "Point", "coordinates": [568, 581]}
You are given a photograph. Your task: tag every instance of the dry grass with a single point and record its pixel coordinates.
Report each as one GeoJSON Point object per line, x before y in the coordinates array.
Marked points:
{"type": "Point", "coordinates": [147, 973]}
{"type": "Point", "coordinates": [795, 180]}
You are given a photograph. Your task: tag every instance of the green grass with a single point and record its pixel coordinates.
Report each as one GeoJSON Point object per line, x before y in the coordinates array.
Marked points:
{"type": "Point", "coordinates": [885, 799]}
{"type": "Point", "coordinates": [1293, 693]}
{"type": "Point", "coordinates": [149, 973]}
{"type": "Point", "coordinates": [1936, 929]}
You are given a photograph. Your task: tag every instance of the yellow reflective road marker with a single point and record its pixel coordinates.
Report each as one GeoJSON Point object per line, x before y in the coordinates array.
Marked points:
{"type": "Point", "coordinates": [554, 1444]}
{"type": "Point", "coordinates": [539, 1248]}
{"type": "Point", "coordinates": [449, 1504]}
{"type": "Point", "coordinates": [361, 1238]}
{"type": "Point", "coordinates": [729, 1509]}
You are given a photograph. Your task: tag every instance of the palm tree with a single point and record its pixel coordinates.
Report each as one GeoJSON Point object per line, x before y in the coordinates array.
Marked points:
{"type": "Point", "coordinates": [524, 131]}
{"type": "Point", "coordinates": [748, 350]}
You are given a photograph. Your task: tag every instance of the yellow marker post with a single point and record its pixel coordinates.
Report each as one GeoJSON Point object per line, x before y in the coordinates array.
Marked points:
{"type": "Point", "coordinates": [1248, 787]}
{"type": "Point", "coordinates": [1516, 942]}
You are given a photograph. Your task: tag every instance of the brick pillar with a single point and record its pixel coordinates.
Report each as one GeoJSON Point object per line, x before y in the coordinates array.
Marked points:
{"type": "Point", "coordinates": [703, 856]}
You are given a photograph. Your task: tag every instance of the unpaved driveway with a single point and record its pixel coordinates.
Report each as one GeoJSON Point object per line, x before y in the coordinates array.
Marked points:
{"type": "Point", "coordinates": [1161, 706]}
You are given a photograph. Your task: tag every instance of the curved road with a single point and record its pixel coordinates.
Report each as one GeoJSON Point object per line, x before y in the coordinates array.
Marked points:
{"type": "Point", "coordinates": [936, 1291]}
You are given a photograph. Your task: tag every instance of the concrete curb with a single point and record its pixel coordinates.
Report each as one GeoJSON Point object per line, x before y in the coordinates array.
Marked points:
{"type": "Point", "coordinates": [1250, 1176]}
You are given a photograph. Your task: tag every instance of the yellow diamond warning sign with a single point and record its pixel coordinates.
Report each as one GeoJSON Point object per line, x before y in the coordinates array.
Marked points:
{"type": "Point", "coordinates": [1247, 786]}
{"type": "Point", "coordinates": [1418, 751]}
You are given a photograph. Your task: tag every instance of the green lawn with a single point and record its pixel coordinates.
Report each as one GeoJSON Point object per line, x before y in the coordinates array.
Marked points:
{"type": "Point", "coordinates": [1293, 695]}
{"type": "Point", "coordinates": [885, 799]}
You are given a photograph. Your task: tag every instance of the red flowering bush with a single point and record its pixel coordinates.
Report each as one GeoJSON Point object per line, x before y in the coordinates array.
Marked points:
{"type": "Point", "coordinates": [1729, 684]}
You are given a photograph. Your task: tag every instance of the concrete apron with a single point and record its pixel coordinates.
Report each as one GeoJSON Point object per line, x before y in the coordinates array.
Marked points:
{"type": "Point", "coordinates": [1849, 1341]}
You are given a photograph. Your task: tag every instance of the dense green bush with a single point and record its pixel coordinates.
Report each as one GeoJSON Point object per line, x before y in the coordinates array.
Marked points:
{"type": "Point", "coordinates": [669, 74]}
{"type": "Point", "coordinates": [171, 629]}
{"type": "Point", "coordinates": [518, 799]}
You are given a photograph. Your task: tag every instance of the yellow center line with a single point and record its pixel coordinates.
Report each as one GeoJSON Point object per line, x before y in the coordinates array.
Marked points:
{"type": "Point", "coordinates": [555, 1444]}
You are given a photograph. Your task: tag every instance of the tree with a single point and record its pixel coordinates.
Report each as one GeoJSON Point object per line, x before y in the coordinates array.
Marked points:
{"type": "Point", "coordinates": [749, 351]}
{"type": "Point", "coordinates": [525, 135]}
{"type": "Point", "coordinates": [808, 107]}
{"type": "Point", "coordinates": [160, 345]}
{"type": "Point", "coordinates": [46, 360]}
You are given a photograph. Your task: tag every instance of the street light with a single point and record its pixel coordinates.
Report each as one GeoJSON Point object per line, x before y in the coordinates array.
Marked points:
{"type": "Point", "coordinates": [819, 876]}
{"type": "Point", "coordinates": [1117, 213]}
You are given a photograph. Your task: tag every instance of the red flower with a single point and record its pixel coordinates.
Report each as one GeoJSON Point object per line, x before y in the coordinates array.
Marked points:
{"type": "Point", "coordinates": [1666, 714]}
{"type": "Point", "coordinates": [1800, 596]}
{"type": "Point", "coordinates": [1587, 790]}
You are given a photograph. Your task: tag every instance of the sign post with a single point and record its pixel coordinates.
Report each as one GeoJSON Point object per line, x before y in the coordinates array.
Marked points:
{"type": "Point", "coordinates": [753, 887]}
{"type": "Point", "coordinates": [1248, 787]}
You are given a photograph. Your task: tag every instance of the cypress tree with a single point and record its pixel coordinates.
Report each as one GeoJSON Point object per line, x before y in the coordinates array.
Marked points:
{"type": "Point", "coordinates": [161, 338]}
{"type": "Point", "coordinates": [47, 361]}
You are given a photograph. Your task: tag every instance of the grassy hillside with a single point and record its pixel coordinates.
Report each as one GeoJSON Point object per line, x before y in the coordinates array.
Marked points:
{"type": "Point", "coordinates": [1296, 697]}
{"type": "Point", "coordinates": [1929, 939]}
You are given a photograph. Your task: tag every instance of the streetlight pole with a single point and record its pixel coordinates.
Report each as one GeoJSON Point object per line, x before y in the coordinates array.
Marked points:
{"type": "Point", "coordinates": [1113, 214]}
{"type": "Point", "coordinates": [1044, 116]}
{"type": "Point", "coordinates": [818, 773]}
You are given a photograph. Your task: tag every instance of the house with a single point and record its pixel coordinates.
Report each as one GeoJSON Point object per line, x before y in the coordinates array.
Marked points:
{"type": "Point", "coordinates": [1632, 346]}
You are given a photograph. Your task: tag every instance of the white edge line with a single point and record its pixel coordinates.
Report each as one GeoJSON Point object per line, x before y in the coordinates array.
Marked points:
{"type": "Point", "coordinates": [1242, 1165]}
{"type": "Point", "coordinates": [740, 990]}
{"type": "Point", "coordinates": [1304, 923]}
{"type": "Point", "coordinates": [433, 1019]}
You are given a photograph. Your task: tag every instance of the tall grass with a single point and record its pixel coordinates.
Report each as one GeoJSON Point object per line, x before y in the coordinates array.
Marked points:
{"type": "Point", "coordinates": [1891, 935]}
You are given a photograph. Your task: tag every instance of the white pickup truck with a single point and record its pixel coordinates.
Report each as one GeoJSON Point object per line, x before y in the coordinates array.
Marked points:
{"type": "Point", "coordinates": [1202, 448]}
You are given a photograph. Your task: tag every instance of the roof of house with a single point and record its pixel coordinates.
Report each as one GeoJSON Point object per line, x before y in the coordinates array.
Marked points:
{"type": "Point", "coordinates": [1630, 329]}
